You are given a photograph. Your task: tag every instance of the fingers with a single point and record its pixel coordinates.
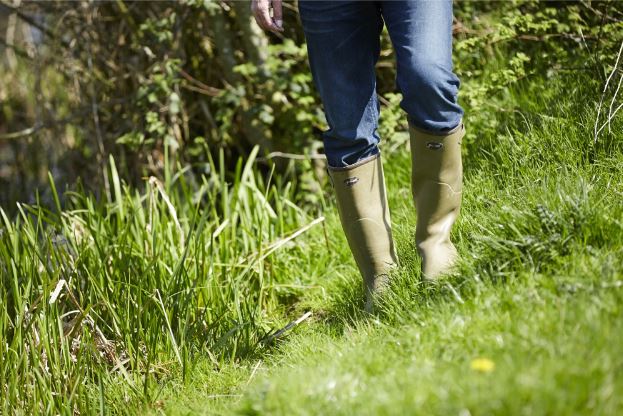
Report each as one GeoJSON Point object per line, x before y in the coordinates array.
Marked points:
{"type": "Point", "coordinates": [277, 14]}
{"type": "Point", "coordinates": [261, 12]}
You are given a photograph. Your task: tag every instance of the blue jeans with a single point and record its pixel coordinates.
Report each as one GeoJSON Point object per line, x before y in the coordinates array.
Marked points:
{"type": "Point", "coordinates": [343, 43]}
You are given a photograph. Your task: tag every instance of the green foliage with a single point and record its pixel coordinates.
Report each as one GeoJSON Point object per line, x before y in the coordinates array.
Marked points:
{"type": "Point", "coordinates": [537, 297]}
{"type": "Point", "coordinates": [170, 285]}
{"type": "Point", "coordinates": [527, 39]}
{"type": "Point", "coordinates": [172, 72]}
{"type": "Point", "coordinates": [133, 288]}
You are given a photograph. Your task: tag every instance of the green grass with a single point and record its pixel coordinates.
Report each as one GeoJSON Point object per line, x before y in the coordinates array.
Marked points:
{"type": "Point", "coordinates": [546, 313]}
{"type": "Point", "coordinates": [539, 294]}
{"type": "Point", "coordinates": [128, 291]}
{"type": "Point", "coordinates": [170, 290]}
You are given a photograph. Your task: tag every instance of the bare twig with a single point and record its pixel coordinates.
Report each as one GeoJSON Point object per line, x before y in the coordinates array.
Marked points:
{"type": "Point", "coordinates": [292, 156]}
{"type": "Point", "coordinates": [40, 126]}
{"type": "Point", "coordinates": [200, 86]}
{"type": "Point", "coordinates": [286, 328]}
{"type": "Point", "coordinates": [209, 93]}
{"type": "Point", "coordinates": [22, 133]}
{"type": "Point", "coordinates": [611, 113]}
{"type": "Point", "coordinates": [603, 15]}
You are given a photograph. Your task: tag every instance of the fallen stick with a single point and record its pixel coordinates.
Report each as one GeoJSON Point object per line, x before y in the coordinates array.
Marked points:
{"type": "Point", "coordinates": [286, 328]}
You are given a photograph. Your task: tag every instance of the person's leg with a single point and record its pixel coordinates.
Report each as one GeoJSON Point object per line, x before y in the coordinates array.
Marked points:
{"type": "Point", "coordinates": [421, 32]}
{"type": "Point", "coordinates": [343, 46]}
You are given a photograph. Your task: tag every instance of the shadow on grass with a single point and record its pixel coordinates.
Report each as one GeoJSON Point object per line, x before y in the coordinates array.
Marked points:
{"type": "Point", "coordinates": [407, 292]}
{"type": "Point", "coordinates": [519, 236]}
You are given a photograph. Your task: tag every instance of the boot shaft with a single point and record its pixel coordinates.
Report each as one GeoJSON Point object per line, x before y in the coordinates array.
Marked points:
{"type": "Point", "coordinates": [437, 185]}
{"type": "Point", "coordinates": [364, 214]}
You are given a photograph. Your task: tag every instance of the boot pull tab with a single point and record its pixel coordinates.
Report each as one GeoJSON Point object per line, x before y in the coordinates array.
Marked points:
{"type": "Point", "coordinates": [350, 182]}
{"type": "Point", "coordinates": [434, 145]}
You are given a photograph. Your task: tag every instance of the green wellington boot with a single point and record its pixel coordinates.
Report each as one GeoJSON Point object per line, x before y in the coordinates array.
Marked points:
{"type": "Point", "coordinates": [437, 176]}
{"type": "Point", "coordinates": [364, 213]}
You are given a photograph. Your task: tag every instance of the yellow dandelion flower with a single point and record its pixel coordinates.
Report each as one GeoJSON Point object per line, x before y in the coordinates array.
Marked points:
{"type": "Point", "coordinates": [483, 365]}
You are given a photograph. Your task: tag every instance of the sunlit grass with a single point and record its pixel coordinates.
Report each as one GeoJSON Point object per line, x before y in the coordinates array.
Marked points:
{"type": "Point", "coordinates": [529, 324]}
{"type": "Point", "coordinates": [133, 288]}
{"type": "Point", "coordinates": [159, 299]}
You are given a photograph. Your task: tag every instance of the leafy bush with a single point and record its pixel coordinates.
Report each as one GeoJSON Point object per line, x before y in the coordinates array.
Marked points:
{"type": "Point", "coordinates": [173, 83]}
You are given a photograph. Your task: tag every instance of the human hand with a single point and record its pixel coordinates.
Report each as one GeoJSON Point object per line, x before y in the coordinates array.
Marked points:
{"type": "Point", "coordinates": [261, 12]}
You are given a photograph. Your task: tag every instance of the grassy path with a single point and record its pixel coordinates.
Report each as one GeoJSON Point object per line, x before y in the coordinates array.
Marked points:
{"type": "Point", "coordinates": [531, 324]}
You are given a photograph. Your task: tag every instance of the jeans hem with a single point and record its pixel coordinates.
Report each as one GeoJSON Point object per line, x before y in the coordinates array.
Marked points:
{"type": "Point", "coordinates": [438, 133]}
{"type": "Point", "coordinates": [356, 164]}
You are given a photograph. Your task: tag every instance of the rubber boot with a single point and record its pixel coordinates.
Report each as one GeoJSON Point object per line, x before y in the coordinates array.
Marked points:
{"type": "Point", "coordinates": [437, 176]}
{"type": "Point", "coordinates": [364, 213]}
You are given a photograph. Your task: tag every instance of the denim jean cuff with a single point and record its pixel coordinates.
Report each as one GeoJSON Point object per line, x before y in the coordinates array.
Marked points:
{"type": "Point", "coordinates": [437, 133]}
{"type": "Point", "coordinates": [356, 164]}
